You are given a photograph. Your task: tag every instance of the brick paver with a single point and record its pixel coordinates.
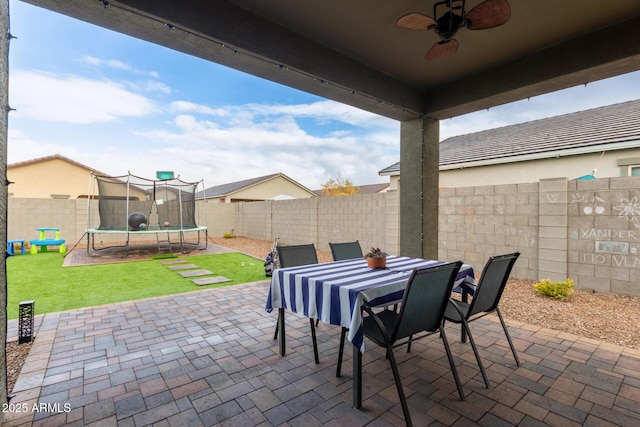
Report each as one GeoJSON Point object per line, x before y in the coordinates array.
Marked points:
{"type": "Point", "coordinates": [208, 358]}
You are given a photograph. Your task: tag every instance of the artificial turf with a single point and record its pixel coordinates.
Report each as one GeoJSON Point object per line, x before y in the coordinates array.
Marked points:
{"type": "Point", "coordinates": [53, 288]}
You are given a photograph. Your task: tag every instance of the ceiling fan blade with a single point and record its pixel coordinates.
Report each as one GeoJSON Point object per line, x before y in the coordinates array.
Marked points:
{"type": "Point", "coordinates": [442, 49]}
{"type": "Point", "coordinates": [488, 14]}
{"type": "Point", "coordinates": [415, 21]}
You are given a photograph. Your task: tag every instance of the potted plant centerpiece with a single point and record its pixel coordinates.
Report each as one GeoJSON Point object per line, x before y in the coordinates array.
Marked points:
{"type": "Point", "coordinates": [376, 258]}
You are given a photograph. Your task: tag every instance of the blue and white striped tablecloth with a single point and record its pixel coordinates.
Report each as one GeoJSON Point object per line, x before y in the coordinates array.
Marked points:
{"type": "Point", "coordinates": [334, 292]}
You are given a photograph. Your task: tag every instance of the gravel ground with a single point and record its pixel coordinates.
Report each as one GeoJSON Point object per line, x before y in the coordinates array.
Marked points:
{"type": "Point", "coordinates": [611, 318]}
{"type": "Point", "coordinates": [16, 355]}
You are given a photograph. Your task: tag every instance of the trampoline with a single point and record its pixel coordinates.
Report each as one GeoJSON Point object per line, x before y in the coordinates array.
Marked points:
{"type": "Point", "coordinates": [132, 209]}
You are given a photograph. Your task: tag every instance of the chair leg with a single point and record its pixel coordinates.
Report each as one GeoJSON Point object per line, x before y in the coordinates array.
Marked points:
{"type": "Point", "coordinates": [315, 342]}
{"type": "Point", "coordinates": [396, 377]}
{"type": "Point", "coordinates": [343, 335]}
{"type": "Point", "coordinates": [463, 334]}
{"type": "Point", "coordinates": [465, 327]}
{"type": "Point", "coordinates": [506, 332]}
{"type": "Point", "coordinates": [451, 362]}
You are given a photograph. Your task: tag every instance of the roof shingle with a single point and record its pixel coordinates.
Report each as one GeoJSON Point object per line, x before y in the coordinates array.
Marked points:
{"type": "Point", "coordinates": [581, 130]}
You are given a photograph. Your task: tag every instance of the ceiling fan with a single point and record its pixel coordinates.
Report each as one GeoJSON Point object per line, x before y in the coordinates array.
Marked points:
{"type": "Point", "coordinates": [488, 14]}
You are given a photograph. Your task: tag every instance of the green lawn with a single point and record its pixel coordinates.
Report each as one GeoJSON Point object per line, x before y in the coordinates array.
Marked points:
{"type": "Point", "coordinates": [54, 288]}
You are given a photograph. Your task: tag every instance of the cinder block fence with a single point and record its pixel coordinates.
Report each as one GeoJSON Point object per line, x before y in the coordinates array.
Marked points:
{"type": "Point", "coordinates": [586, 230]}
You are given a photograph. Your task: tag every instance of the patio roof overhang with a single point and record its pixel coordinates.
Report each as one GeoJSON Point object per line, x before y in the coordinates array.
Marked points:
{"type": "Point", "coordinates": [353, 52]}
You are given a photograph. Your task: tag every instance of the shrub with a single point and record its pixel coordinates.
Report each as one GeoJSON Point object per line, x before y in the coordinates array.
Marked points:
{"type": "Point", "coordinates": [228, 236]}
{"type": "Point", "coordinates": [557, 290]}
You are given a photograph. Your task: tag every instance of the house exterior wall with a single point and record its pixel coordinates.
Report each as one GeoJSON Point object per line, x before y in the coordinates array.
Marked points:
{"type": "Point", "coordinates": [266, 190]}
{"type": "Point", "coordinates": [586, 230]}
{"type": "Point", "coordinates": [572, 166]}
{"type": "Point", "coordinates": [49, 178]}
{"type": "Point", "coordinates": [270, 189]}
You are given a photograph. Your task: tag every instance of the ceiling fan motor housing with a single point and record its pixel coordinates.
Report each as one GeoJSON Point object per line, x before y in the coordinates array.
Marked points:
{"type": "Point", "coordinates": [448, 25]}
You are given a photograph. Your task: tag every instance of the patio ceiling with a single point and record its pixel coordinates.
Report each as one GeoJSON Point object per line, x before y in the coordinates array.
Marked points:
{"type": "Point", "coordinates": [353, 52]}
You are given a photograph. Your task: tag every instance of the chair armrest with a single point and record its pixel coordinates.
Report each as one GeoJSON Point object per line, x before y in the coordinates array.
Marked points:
{"type": "Point", "coordinates": [469, 286]}
{"type": "Point", "coordinates": [383, 330]}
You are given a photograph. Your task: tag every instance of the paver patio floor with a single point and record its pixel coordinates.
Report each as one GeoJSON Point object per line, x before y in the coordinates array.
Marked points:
{"type": "Point", "coordinates": [208, 358]}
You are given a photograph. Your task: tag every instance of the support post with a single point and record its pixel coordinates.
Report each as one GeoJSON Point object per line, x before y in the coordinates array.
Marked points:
{"type": "Point", "coordinates": [419, 180]}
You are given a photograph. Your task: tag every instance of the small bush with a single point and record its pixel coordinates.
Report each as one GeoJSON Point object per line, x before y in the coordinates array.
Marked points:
{"type": "Point", "coordinates": [557, 290]}
{"type": "Point", "coordinates": [228, 236]}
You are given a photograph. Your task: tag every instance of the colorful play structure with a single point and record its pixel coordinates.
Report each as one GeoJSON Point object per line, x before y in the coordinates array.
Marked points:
{"type": "Point", "coordinates": [11, 246]}
{"type": "Point", "coordinates": [44, 242]}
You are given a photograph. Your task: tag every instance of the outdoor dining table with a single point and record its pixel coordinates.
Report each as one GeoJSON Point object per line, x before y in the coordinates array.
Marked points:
{"type": "Point", "coordinates": [334, 292]}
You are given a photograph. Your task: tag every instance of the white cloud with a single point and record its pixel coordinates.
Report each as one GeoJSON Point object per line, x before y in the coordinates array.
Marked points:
{"type": "Point", "coordinates": [241, 146]}
{"type": "Point", "coordinates": [150, 86]}
{"type": "Point", "coordinates": [190, 107]}
{"type": "Point", "coordinates": [321, 111]}
{"type": "Point", "coordinates": [73, 99]}
{"type": "Point", "coordinates": [118, 65]}
{"type": "Point", "coordinates": [21, 147]}
{"type": "Point", "coordinates": [325, 111]}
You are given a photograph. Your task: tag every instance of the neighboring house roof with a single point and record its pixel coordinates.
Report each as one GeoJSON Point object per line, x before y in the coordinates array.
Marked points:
{"type": "Point", "coordinates": [363, 189]}
{"type": "Point", "coordinates": [54, 157]}
{"type": "Point", "coordinates": [605, 128]}
{"type": "Point", "coordinates": [224, 190]}
{"type": "Point", "coordinates": [394, 169]}
{"type": "Point", "coordinates": [373, 188]}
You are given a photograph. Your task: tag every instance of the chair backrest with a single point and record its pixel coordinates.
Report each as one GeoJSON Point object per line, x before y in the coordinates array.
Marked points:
{"type": "Point", "coordinates": [293, 256]}
{"type": "Point", "coordinates": [492, 282]}
{"type": "Point", "coordinates": [346, 250]}
{"type": "Point", "coordinates": [425, 299]}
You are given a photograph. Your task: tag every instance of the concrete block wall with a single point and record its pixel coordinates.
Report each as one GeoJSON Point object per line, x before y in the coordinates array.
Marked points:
{"type": "Point", "coordinates": [361, 217]}
{"type": "Point", "coordinates": [553, 232]}
{"type": "Point", "coordinates": [25, 215]}
{"type": "Point", "coordinates": [295, 221]}
{"type": "Point", "coordinates": [586, 230]}
{"type": "Point", "coordinates": [604, 234]}
{"type": "Point", "coordinates": [373, 219]}
{"type": "Point", "coordinates": [254, 219]}
{"type": "Point", "coordinates": [477, 222]}
{"type": "Point", "coordinates": [220, 218]}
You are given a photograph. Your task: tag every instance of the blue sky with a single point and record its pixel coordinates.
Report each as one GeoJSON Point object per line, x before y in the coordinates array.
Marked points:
{"type": "Point", "coordinates": [119, 104]}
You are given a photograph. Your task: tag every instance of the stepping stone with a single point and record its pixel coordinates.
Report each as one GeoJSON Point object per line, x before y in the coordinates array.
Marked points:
{"type": "Point", "coordinates": [183, 267]}
{"type": "Point", "coordinates": [210, 280]}
{"type": "Point", "coordinates": [173, 261]}
{"type": "Point", "coordinates": [195, 273]}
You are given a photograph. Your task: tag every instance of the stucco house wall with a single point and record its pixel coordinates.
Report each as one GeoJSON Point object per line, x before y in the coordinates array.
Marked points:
{"type": "Point", "coordinates": [614, 163]}
{"type": "Point", "coordinates": [278, 186]}
{"type": "Point", "coordinates": [49, 177]}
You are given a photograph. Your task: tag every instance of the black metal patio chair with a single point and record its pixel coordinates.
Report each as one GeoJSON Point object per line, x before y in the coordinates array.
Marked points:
{"type": "Point", "coordinates": [486, 297]}
{"type": "Point", "coordinates": [422, 311]}
{"type": "Point", "coordinates": [294, 256]}
{"type": "Point", "coordinates": [345, 250]}
{"type": "Point", "coordinates": [340, 252]}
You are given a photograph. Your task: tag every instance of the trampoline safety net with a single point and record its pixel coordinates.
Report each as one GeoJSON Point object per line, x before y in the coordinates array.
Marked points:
{"type": "Point", "coordinates": [167, 204]}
